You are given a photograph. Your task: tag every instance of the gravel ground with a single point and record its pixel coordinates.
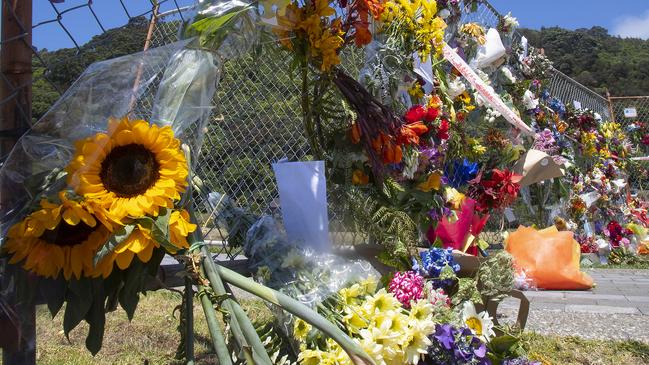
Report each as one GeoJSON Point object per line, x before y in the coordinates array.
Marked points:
{"type": "Point", "coordinates": [585, 325]}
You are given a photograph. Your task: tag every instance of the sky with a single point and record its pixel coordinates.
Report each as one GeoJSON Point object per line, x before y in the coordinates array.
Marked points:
{"type": "Point", "coordinates": [627, 18]}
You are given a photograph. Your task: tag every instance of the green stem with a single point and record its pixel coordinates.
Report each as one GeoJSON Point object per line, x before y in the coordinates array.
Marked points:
{"type": "Point", "coordinates": [239, 321]}
{"type": "Point", "coordinates": [307, 113]}
{"type": "Point", "coordinates": [189, 322]}
{"type": "Point", "coordinates": [218, 340]}
{"type": "Point", "coordinates": [298, 309]}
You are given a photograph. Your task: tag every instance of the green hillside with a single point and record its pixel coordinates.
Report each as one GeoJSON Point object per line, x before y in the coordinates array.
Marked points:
{"type": "Point", "coordinates": [597, 59]}
{"type": "Point", "coordinates": [66, 64]}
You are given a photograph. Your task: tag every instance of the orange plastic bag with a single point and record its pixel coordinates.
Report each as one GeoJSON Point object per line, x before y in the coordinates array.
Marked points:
{"type": "Point", "coordinates": [549, 257]}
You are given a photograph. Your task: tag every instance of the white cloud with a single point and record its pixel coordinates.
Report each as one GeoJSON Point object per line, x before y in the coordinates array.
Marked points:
{"type": "Point", "coordinates": [632, 26]}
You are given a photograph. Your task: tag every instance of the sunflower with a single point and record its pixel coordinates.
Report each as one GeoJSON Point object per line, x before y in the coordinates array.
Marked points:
{"type": "Point", "coordinates": [132, 170]}
{"type": "Point", "coordinates": [57, 237]}
{"type": "Point", "coordinates": [179, 228]}
{"type": "Point", "coordinates": [141, 243]}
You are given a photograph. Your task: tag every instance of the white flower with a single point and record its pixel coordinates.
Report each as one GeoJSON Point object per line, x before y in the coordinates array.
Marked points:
{"type": "Point", "coordinates": [529, 101]}
{"type": "Point", "coordinates": [510, 22]}
{"type": "Point", "coordinates": [455, 88]}
{"type": "Point", "coordinates": [444, 13]}
{"type": "Point", "coordinates": [480, 324]}
{"type": "Point", "coordinates": [508, 74]}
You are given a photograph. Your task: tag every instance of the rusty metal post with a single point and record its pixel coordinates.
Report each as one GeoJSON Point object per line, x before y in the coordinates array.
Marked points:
{"type": "Point", "coordinates": [610, 105]}
{"type": "Point", "coordinates": [15, 118]}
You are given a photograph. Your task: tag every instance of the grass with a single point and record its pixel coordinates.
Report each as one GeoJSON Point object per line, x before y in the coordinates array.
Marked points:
{"type": "Point", "coordinates": [575, 350]}
{"type": "Point", "coordinates": [151, 338]}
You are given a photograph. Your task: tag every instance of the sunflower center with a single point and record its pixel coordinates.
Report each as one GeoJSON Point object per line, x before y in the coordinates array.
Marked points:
{"type": "Point", "coordinates": [129, 170]}
{"type": "Point", "coordinates": [67, 235]}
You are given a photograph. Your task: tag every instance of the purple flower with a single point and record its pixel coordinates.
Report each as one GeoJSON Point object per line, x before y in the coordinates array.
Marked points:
{"type": "Point", "coordinates": [444, 334]}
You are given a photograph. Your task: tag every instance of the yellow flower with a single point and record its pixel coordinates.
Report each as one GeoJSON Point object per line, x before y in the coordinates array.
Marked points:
{"type": "Point", "coordinates": [360, 178]}
{"type": "Point", "coordinates": [47, 248]}
{"type": "Point", "coordinates": [350, 295]}
{"type": "Point", "coordinates": [287, 23]}
{"type": "Point", "coordinates": [301, 329]}
{"type": "Point", "coordinates": [323, 9]}
{"type": "Point", "coordinates": [435, 102]}
{"type": "Point", "coordinates": [454, 198]}
{"type": "Point", "coordinates": [474, 30]}
{"type": "Point", "coordinates": [416, 91]}
{"type": "Point", "coordinates": [415, 343]}
{"type": "Point", "coordinates": [478, 149]}
{"type": "Point", "coordinates": [434, 181]}
{"type": "Point", "coordinates": [381, 301]}
{"type": "Point", "coordinates": [132, 170]}
{"type": "Point", "coordinates": [421, 310]}
{"type": "Point", "coordinates": [179, 228]}
{"type": "Point", "coordinates": [355, 318]}
{"type": "Point", "coordinates": [311, 357]}
{"type": "Point", "coordinates": [328, 46]}
{"type": "Point", "coordinates": [369, 285]}
{"type": "Point", "coordinates": [141, 243]}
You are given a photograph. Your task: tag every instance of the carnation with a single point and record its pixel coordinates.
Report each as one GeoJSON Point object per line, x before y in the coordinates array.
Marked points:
{"type": "Point", "coordinates": [407, 286]}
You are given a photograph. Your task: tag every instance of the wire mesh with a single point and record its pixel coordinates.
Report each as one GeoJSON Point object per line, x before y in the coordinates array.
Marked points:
{"type": "Point", "coordinates": [256, 118]}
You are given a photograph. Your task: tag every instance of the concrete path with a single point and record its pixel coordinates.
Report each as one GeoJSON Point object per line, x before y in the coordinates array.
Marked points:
{"type": "Point", "coordinates": [617, 308]}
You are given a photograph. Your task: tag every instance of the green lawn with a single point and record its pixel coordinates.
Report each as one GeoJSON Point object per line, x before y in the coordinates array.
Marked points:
{"type": "Point", "coordinates": [151, 338]}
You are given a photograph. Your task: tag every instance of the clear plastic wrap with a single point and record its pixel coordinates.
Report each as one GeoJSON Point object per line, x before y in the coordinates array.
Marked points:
{"type": "Point", "coordinates": [307, 275]}
{"type": "Point", "coordinates": [94, 189]}
{"type": "Point", "coordinates": [111, 88]}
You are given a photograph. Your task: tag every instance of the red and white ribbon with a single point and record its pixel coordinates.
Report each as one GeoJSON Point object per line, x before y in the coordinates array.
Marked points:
{"type": "Point", "coordinates": [645, 158]}
{"type": "Point", "coordinates": [492, 98]}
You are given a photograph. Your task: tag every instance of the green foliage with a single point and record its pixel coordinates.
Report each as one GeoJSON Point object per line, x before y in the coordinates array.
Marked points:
{"type": "Point", "coordinates": [496, 276]}
{"type": "Point", "coordinates": [62, 67]}
{"type": "Point", "coordinates": [597, 59]}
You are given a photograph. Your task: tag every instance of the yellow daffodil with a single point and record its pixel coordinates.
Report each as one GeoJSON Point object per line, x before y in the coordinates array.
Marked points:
{"type": "Point", "coordinates": [301, 329]}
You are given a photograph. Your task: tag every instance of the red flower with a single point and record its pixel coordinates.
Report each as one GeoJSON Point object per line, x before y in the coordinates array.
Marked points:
{"type": "Point", "coordinates": [499, 190]}
{"type": "Point", "coordinates": [442, 131]}
{"type": "Point", "coordinates": [415, 114]}
{"type": "Point", "coordinates": [431, 114]}
{"type": "Point", "coordinates": [645, 139]}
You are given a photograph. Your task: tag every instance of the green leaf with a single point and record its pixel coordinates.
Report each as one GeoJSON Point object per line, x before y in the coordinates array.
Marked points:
{"type": "Point", "coordinates": [159, 227]}
{"type": "Point", "coordinates": [78, 302]}
{"type": "Point", "coordinates": [154, 263]}
{"type": "Point", "coordinates": [54, 291]}
{"type": "Point", "coordinates": [502, 344]}
{"type": "Point", "coordinates": [129, 293]}
{"type": "Point", "coordinates": [96, 318]}
{"type": "Point", "coordinates": [212, 30]}
{"type": "Point", "coordinates": [118, 237]}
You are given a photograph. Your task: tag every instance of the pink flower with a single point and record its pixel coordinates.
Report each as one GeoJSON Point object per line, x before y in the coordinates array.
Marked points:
{"type": "Point", "coordinates": [438, 297]}
{"type": "Point", "coordinates": [407, 286]}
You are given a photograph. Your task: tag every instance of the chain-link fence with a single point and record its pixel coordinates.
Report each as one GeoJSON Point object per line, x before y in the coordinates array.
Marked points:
{"type": "Point", "coordinates": [632, 112]}
{"type": "Point", "coordinates": [256, 118]}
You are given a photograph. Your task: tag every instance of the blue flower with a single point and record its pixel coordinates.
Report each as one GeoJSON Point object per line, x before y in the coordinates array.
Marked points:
{"type": "Point", "coordinates": [558, 107]}
{"type": "Point", "coordinates": [434, 261]}
{"type": "Point", "coordinates": [461, 173]}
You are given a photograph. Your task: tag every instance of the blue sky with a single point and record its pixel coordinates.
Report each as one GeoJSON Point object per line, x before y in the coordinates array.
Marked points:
{"type": "Point", "coordinates": [621, 17]}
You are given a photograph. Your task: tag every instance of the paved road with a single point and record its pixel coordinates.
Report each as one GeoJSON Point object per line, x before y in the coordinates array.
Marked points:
{"type": "Point", "coordinates": [617, 308]}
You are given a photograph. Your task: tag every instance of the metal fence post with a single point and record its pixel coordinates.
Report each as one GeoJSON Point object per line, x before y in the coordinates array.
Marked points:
{"type": "Point", "coordinates": [15, 118]}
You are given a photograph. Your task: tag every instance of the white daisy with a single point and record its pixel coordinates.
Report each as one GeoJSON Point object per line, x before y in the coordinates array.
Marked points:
{"type": "Point", "coordinates": [480, 324]}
